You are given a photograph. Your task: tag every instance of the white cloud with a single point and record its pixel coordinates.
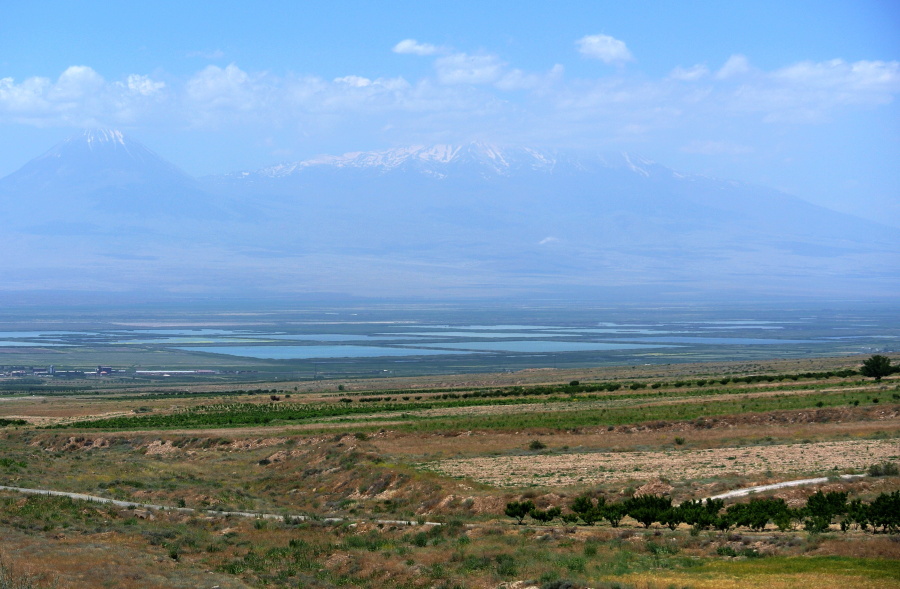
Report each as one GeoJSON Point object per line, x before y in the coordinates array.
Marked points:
{"type": "Point", "coordinates": [29, 96]}
{"type": "Point", "coordinates": [79, 97]}
{"type": "Point", "coordinates": [355, 81]}
{"type": "Point", "coordinates": [467, 95]}
{"type": "Point", "coordinates": [810, 92]}
{"type": "Point", "coordinates": [518, 80]}
{"type": "Point", "coordinates": [462, 68]}
{"type": "Point", "coordinates": [605, 48]}
{"type": "Point", "coordinates": [143, 85]}
{"type": "Point", "coordinates": [76, 82]}
{"type": "Point", "coordinates": [690, 74]}
{"type": "Point", "coordinates": [229, 87]}
{"type": "Point", "coordinates": [861, 76]}
{"type": "Point", "coordinates": [735, 66]}
{"type": "Point", "coordinates": [411, 46]}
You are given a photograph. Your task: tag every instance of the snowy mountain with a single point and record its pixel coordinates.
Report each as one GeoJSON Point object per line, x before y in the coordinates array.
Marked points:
{"type": "Point", "coordinates": [442, 220]}
{"type": "Point", "coordinates": [439, 160]}
{"type": "Point", "coordinates": [101, 171]}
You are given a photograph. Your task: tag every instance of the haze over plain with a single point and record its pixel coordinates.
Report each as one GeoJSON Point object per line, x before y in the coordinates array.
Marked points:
{"type": "Point", "coordinates": [797, 99]}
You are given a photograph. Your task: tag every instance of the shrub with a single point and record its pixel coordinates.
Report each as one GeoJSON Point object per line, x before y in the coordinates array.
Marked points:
{"type": "Point", "coordinates": [884, 469]}
{"type": "Point", "coordinates": [536, 445]}
{"type": "Point", "coordinates": [726, 551]}
{"type": "Point", "coordinates": [506, 565]}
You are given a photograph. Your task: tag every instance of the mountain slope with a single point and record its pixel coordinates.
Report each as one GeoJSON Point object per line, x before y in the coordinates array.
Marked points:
{"type": "Point", "coordinates": [464, 220]}
{"type": "Point", "coordinates": [102, 172]}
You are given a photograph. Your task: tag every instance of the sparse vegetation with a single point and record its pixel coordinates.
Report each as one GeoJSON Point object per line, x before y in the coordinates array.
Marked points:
{"type": "Point", "coordinates": [358, 456]}
{"type": "Point", "coordinates": [536, 445]}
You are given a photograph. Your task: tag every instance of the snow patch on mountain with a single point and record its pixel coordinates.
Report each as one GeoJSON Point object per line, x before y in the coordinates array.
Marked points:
{"type": "Point", "coordinates": [427, 159]}
{"type": "Point", "coordinates": [100, 136]}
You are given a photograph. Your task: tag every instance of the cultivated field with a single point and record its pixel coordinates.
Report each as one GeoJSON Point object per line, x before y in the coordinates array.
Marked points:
{"type": "Point", "coordinates": [404, 482]}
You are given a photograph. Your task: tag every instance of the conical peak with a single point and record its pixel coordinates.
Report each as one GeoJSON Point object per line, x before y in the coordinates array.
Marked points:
{"type": "Point", "coordinates": [101, 135]}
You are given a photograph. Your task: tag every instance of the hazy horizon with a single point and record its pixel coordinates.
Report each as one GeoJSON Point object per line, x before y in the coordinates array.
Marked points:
{"type": "Point", "coordinates": [773, 127]}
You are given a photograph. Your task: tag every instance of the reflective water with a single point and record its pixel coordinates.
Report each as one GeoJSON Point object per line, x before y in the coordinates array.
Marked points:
{"type": "Point", "coordinates": [544, 346]}
{"type": "Point", "coordinates": [311, 352]}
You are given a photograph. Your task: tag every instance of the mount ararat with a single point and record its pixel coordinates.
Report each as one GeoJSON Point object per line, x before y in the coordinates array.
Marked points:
{"type": "Point", "coordinates": [102, 212]}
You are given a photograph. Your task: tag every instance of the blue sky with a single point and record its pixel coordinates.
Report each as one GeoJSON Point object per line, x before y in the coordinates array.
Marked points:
{"type": "Point", "coordinates": [799, 95]}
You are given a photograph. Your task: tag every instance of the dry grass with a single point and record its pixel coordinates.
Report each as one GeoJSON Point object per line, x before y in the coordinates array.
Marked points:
{"type": "Point", "coordinates": [287, 470]}
{"type": "Point", "coordinates": [571, 469]}
{"type": "Point", "coordinates": [785, 426]}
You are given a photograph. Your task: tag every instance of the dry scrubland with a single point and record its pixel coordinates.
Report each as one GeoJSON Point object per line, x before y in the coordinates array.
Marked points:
{"type": "Point", "coordinates": [346, 466]}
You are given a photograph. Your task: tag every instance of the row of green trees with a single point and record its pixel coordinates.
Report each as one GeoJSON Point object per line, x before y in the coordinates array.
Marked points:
{"type": "Point", "coordinates": [819, 513]}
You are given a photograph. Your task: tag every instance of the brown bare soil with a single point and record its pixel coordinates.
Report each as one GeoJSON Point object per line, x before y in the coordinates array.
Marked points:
{"type": "Point", "coordinates": [752, 429]}
{"type": "Point", "coordinates": [601, 467]}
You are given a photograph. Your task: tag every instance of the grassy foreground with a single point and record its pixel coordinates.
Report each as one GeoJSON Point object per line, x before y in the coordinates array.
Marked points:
{"type": "Point", "coordinates": [345, 468]}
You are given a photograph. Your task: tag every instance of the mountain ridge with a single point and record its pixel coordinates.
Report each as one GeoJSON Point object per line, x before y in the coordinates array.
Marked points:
{"type": "Point", "coordinates": [440, 220]}
{"type": "Point", "coordinates": [500, 159]}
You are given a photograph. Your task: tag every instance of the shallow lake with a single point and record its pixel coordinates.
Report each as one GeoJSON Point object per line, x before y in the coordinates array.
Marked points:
{"type": "Point", "coordinates": [311, 352]}
{"type": "Point", "coordinates": [544, 346]}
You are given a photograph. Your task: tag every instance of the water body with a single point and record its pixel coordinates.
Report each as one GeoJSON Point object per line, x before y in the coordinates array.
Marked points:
{"type": "Point", "coordinates": [547, 347]}
{"type": "Point", "coordinates": [488, 334]}
{"type": "Point", "coordinates": [314, 352]}
{"type": "Point", "coordinates": [620, 330]}
{"type": "Point", "coordinates": [447, 338]}
{"type": "Point", "coordinates": [744, 341]}
{"type": "Point", "coordinates": [29, 344]}
{"type": "Point", "coordinates": [175, 340]}
{"type": "Point", "coordinates": [258, 339]}
{"type": "Point", "coordinates": [336, 337]}
{"type": "Point", "coordinates": [37, 334]}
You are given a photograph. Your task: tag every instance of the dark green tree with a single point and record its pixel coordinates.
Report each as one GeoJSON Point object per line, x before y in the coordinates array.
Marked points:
{"type": "Point", "coordinates": [884, 512]}
{"type": "Point", "coordinates": [519, 510]}
{"type": "Point", "coordinates": [877, 367]}
{"type": "Point", "coordinates": [647, 508]}
{"type": "Point", "coordinates": [701, 514]}
{"type": "Point", "coordinates": [545, 515]}
{"type": "Point", "coordinates": [756, 514]}
{"type": "Point", "coordinates": [587, 510]}
{"type": "Point", "coordinates": [613, 513]}
{"type": "Point", "coordinates": [858, 513]}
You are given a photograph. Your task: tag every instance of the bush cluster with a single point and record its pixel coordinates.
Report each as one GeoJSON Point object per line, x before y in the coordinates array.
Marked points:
{"type": "Point", "coordinates": [820, 512]}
